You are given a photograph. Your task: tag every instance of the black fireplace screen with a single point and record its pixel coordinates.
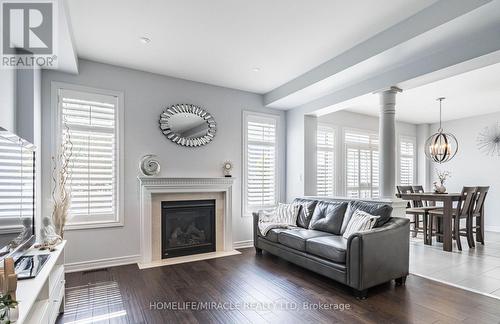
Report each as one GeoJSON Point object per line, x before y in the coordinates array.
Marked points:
{"type": "Point", "coordinates": [188, 227]}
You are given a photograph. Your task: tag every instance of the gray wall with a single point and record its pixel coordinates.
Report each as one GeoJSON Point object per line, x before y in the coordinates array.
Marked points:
{"type": "Point", "coordinates": [145, 96]}
{"type": "Point", "coordinates": [8, 99]}
{"type": "Point", "coordinates": [471, 167]}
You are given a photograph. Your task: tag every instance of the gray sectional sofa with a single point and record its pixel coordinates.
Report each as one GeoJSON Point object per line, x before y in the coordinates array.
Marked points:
{"type": "Point", "coordinates": [364, 260]}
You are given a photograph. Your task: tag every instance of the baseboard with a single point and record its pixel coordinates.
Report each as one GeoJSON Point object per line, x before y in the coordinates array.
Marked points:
{"type": "Point", "coordinates": [242, 244]}
{"type": "Point", "coordinates": [99, 264]}
{"type": "Point", "coordinates": [492, 228]}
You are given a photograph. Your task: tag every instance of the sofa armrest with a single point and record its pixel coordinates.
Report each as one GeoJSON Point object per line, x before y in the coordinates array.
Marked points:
{"type": "Point", "coordinates": [379, 255]}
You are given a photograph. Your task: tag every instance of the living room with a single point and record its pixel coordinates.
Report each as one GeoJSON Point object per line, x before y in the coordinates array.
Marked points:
{"type": "Point", "coordinates": [199, 162]}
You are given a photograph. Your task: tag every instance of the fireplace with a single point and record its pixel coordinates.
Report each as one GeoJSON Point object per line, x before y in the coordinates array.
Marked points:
{"type": "Point", "coordinates": [187, 227]}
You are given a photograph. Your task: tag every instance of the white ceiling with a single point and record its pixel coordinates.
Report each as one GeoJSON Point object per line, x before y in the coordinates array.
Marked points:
{"type": "Point", "coordinates": [469, 94]}
{"type": "Point", "coordinates": [221, 41]}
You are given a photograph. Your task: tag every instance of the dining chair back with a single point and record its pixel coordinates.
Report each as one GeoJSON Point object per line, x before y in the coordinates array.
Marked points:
{"type": "Point", "coordinates": [481, 193]}
{"type": "Point", "coordinates": [466, 203]}
{"type": "Point", "coordinates": [419, 203]}
{"type": "Point", "coordinates": [403, 190]}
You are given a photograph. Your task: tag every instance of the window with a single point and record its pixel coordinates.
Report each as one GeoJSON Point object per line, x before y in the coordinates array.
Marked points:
{"type": "Point", "coordinates": [90, 120]}
{"type": "Point", "coordinates": [361, 150]}
{"type": "Point", "coordinates": [407, 161]}
{"type": "Point", "coordinates": [16, 182]}
{"type": "Point", "coordinates": [260, 155]}
{"type": "Point", "coordinates": [325, 161]}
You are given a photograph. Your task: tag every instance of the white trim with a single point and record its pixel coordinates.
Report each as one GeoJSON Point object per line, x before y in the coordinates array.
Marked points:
{"type": "Point", "coordinates": [278, 174]}
{"type": "Point", "coordinates": [152, 185]}
{"type": "Point", "coordinates": [55, 127]}
{"type": "Point", "coordinates": [243, 244]}
{"type": "Point", "coordinates": [101, 263]}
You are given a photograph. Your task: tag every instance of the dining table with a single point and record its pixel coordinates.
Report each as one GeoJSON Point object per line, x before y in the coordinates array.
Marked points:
{"type": "Point", "coordinates": [447, 200]}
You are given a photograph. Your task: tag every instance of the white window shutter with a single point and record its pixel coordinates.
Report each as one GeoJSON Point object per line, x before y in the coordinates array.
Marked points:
{"type": "Point", "coordinates": [16, 182]}
{"type": "Point", "coordinates": [361, 170]}
{"type": "Point", "coordinates": [325, 161]}
{"type": "Point", "coordinates": [261, 163]}
{"type": "Point", "coordinates": [407, 169]}
{"type": "Point", "coordinates": [90, 121]}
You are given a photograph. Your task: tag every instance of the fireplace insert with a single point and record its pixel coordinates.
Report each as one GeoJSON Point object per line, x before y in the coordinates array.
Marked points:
{"type": "Point", "coordinates": [187, 227]}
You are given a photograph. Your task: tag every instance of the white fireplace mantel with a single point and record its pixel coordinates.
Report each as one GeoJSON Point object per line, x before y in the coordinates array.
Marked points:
{"type": "Point", "coordinates": [157, 185]}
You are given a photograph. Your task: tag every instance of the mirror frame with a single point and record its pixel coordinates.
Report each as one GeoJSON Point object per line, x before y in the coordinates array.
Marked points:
{"type": "Point", "coordinates": [189, 109]}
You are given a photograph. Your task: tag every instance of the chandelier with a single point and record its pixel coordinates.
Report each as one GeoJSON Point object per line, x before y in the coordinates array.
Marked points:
{"type": "Point", "coordinates": [441, 147]}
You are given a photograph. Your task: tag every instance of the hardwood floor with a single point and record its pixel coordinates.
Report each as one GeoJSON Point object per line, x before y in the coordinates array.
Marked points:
{"type": "Point", "coordinates": [236, 289]}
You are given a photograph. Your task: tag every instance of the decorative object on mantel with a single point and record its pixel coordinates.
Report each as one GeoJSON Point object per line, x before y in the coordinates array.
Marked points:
{"type": "Point", "coordinates": [60, 175]}
{"type": "Point", "coordinates": [441, 147]}
{"type": "Point", "coordinates": [149, 165]}
{"type": "Point", "coordinates": [188, 125]}
{"type": "Point", "coordinates": [48, 235]}
{"type": "Point", "coordinates": [488, 140]}
{"type": "Point", "coordinates": [442, 177]}
{"type": "Point", "coordinates": [228, 167]}
{"type": "Point", "coordinates": [8, 286]}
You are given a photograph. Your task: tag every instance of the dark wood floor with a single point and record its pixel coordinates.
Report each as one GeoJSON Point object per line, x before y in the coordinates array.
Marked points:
{"type": "Point", "coordinates": [248, 283]}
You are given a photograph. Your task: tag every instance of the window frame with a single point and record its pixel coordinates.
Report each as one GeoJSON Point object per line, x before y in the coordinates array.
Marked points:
{"type": "Point", "coordinates": [245, 211]}
{"type": "Point", "coordinates": [370, 146]}
{"type": "Point", "coordinates": [407, 138]}
{"type": "Point", "coordinates": [335, 157]}
{"type": "Point", "coordinates": [118, 220]}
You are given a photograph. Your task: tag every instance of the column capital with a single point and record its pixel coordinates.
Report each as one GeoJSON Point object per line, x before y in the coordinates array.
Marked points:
{"type": "Point", "coordinates": [392, 89]}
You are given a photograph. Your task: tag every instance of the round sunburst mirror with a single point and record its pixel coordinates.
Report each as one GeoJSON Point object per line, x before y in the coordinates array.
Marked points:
{"type": "Point", "coordinates": [188, 125]}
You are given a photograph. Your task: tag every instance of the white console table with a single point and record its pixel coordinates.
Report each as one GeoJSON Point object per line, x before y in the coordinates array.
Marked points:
{"type": "Point", "coordinates": [41, 299]}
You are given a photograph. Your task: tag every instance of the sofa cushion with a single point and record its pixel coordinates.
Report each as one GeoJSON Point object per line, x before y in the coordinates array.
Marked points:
{"type": "Point", "coordinates": [306, 211]}
{"type": "Point", "coordinates": [331, 247]}
{"type": "Point", "coordinates": [272, 234]}
{"type": "Point", "coordinates": [372, 208]}
{"type": "Point", "coordinates": [296, 238]}
{"type": "Point", "coordinates": [328, 216]}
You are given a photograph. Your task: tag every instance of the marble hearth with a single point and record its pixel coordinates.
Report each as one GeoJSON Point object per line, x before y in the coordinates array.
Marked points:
{"type": "Point", "coordinates": [154, 190]}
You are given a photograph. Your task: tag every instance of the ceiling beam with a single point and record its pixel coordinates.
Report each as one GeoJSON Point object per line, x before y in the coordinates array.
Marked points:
{"type": "Point", "coordinates": [427, 19]}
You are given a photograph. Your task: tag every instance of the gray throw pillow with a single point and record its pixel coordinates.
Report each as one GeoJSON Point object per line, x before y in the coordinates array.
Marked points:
{"type": "Point", "coordinates": [328, 217]}
{"type": "Point", "coordinates": [372, 208]}
{"type": "Point", "coordinates": [306, 211]}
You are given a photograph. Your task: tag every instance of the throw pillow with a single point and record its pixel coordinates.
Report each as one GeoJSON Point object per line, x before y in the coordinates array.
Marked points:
{"type": "Point", "coordinates": [282, 216]}
{"type": "Point", "coordinates": [328, 217]}
{"type": "Point", "coordinates": [372, 208]}
{"type": "Point", "coordinates": [359, 222]}
{"type": "Point", "coordinates": [306, 211]}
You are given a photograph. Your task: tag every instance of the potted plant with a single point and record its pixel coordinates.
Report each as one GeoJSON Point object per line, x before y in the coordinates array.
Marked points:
{"type": "Point", "coordinates": [6, 305]}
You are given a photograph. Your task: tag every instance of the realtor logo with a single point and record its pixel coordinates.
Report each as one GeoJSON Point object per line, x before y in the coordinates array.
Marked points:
{"type": "Point", "coordinates": [28, 34]}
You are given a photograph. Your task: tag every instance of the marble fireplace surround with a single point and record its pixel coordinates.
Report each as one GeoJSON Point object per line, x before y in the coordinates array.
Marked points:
{"type": "Point", "coordinates": [154, 190]}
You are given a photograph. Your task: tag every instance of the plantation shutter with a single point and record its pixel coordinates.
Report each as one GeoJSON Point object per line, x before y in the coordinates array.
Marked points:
{"type": "Point", "coordinates": [261, 163]}
{"type": "Point", "coordinates": [325, 163]}
{"type": "Point", "coordinates": [362, 179]}
{"type": "Point", "coordinates": [90, 121]}
{"type": "Point", "coordinates": [16, 180]}
{"type": "Point", "coordinates": [407, 160]}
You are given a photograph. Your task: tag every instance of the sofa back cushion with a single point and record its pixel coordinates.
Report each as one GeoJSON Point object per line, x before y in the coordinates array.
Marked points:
{"type": "Point", "coordinates": [372, 208]}
{"type": "Point", "coordinates": [328, 216]}
{"type": "Point", "coordinates": [306, 211]}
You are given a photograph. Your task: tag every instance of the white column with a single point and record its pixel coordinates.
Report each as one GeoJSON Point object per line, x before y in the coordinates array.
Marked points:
{"type": "Point", "coordinates": [387, 143]}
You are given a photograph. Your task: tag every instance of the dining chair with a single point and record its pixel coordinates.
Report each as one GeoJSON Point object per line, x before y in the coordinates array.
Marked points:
{"type": "Point", "coordinates": [462, 210]}
{"type": "Point", "coordinates": [416, 212]}
{"type": "Point", "coordinates": [476, 213]}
